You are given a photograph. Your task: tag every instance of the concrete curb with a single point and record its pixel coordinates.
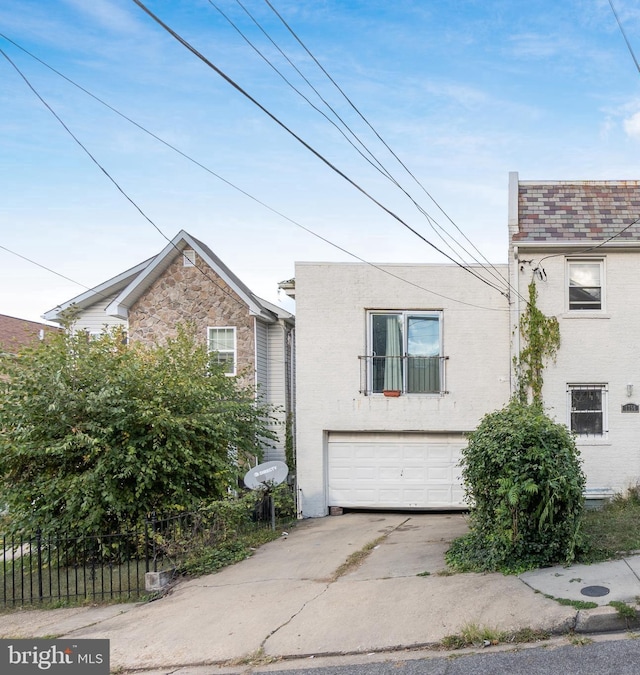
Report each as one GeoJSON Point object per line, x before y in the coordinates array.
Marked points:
{"type": "Point", "coordinates": [604, 620]}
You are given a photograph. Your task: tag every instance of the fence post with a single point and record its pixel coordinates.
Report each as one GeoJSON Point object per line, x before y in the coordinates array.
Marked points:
{"type": "Point", "coordinates": [146, 543]}
{"type": "Point", "coordinates": [154, 524]}
{"type": "Point", "coordinates": [39, 552]}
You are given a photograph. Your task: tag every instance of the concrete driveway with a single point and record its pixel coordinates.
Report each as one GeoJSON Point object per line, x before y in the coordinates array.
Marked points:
{"type": "Point", "coordinates": [299, 597]}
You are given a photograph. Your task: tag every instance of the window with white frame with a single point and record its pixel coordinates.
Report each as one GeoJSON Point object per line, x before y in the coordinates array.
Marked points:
{"type": "Point", "coordinates": [588, 409]}
{"type": "Point", "coordinates": [586, 284]}
{"type": "Point", "coordinates": [222, 343]}
{"type": "Point", "coordinates": [405, 352]}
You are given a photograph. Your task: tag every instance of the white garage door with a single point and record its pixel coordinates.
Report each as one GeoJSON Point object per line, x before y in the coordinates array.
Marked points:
{"type": "Point", "coordinates": [395, 471]}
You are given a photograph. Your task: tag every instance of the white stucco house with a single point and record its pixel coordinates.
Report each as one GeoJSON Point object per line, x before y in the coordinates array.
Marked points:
{"type": "Point", "coordinates": [393, 370]}
{"type": "Point", "coordinates": [395, 363]}
{"type": "Point", "coordinates": [187, 282]}
{"type": "Point", "coordinates": [580, 241]}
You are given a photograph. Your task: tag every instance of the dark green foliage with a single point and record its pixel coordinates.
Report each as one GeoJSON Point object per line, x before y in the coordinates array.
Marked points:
{"type": "Point", "coordinates": [524, 484]}
{"type": "Point", "coordinates": [95, 434]}
{"type": "Point", "coordinates": [540, 341]}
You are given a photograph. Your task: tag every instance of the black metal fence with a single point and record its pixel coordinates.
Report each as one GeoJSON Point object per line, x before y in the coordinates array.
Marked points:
{"type": "Point", "coordinates": [51, 569]}
{"type": "Point", "coordinates": [59, 569]}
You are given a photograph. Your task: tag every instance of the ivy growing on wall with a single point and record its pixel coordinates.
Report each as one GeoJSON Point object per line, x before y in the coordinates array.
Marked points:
{"type": "Point", "coordinates": [540, 342]}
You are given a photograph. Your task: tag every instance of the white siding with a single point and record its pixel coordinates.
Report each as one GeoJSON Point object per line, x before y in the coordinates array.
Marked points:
{"type": "Point", "coordinates": [94, 319]}
{"type": "Point", "coordinates": [331, 328]}
{"type": "Point", "coordinates": [277, 387]}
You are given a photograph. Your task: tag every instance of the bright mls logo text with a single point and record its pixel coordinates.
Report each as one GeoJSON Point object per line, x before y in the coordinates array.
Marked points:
{"type": "Point", "coordinates": [55, 656]}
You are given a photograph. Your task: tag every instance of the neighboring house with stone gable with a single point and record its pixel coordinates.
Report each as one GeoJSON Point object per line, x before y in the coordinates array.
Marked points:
{"type": "Point", "coordinates": [580, 241]}
{"type": "Point", "coordinates": [187, 283]}
{"type": "Point", "coordinates": [18, 333]}
{"type": "Point", "coordinates": [395, 364]}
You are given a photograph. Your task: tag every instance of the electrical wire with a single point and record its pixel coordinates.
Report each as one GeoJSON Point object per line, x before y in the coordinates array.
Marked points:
{"type": "Point", "coordinates": [306, 229]}
{"type": "Point", "coordinates": [371, 160]}
{"type": "Point", "coordinates": [110, 177]}
{"type": "Point", "coordinates": [381, 139]}
{"type": "Point", "coordinates": [315, 152]}
{"type": "Point", "coordinates": [227, 182]}
{"type": "Point", "coordinates": [374, 161]}
{"type": "Point", "coordinates": [587, 250]}
{"type": "Point", "coordinates": [624, 35]}
{"type": "Point", "coordinates": [435, 226]}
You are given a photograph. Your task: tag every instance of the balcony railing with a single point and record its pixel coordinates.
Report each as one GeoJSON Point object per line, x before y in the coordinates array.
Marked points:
{"type": "Point", "coordinates": [406, 374]}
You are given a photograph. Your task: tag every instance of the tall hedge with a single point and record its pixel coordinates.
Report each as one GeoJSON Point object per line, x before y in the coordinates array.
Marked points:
{"type": "Point", "coordinates": [524, 485]}
{"type": "Point", "coordinates": [95, 433]}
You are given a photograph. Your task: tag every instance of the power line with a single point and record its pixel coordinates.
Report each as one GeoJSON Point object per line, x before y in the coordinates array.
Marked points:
{"type": "Point", "coordinates": [381, 139]}
{"type": "Point", "coordinates": [624, 35]}
{"type": "Point", "coordinates": [315, 152]}
{"type": "Point", "coordinates": [379, 166]}
{"type": "Point", "coordinates": [306, 229]}
{"type": "Point", "coordinates": [373, 161]}
{"type": "Point", "coordinates": [108, 175]}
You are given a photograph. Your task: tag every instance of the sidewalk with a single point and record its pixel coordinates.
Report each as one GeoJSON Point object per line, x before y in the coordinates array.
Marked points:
{"type": "Point", "coordinates": [285, 601]}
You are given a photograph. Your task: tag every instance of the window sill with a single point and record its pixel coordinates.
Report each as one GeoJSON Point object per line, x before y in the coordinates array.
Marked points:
{"type": "Point", "coordinates": [584, 315]}
{"type": "Point", "coordinates": [592, 440]}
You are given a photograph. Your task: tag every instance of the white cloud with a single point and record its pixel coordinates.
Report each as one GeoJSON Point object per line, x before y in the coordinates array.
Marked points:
{"type": "Point", "coordinates": [632, 126]}
{"type": "Point", "coordinates": [106, 14]}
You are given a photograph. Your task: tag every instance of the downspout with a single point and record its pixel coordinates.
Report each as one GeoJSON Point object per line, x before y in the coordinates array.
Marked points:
{"type": "Point", "coordinates": [515, 304]}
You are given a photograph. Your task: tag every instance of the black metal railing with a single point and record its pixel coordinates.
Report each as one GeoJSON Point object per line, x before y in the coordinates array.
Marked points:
{"type": "Point", "coordinates": [405, 374]}
{"type": "Point", "coordinates": [53, 568]}
{"type": "Point", "coordinates": [57, 568]}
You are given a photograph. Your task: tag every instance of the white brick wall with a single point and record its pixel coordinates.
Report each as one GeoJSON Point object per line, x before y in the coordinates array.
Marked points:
{"type": "Point", "coordinates": [332, 300]}
{"type": "Point", "coordinates": [597, 348]}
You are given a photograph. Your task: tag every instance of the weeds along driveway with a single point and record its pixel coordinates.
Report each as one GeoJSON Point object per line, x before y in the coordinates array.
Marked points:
{"type": "Point", "coordinates": [317, 591]}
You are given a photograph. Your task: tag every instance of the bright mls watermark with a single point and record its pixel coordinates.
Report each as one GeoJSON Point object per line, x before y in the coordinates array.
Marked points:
{"type": "Point", "coordinates": [82, 657]}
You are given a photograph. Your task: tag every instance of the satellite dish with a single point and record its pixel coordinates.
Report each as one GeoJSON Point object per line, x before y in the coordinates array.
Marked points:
{"type": "Point", "coordinates": [263, 475]}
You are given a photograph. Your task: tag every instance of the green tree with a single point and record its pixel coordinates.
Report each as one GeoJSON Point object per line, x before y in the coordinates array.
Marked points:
{"type": "Point", "coordinates": [524, 484]}
{"type": "Point", "coordinates": [95, 434]}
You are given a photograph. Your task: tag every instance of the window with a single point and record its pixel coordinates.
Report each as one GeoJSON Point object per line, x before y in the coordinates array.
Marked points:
{"type": "Point", "coordinates": [587, 406]}
{"type": "Point", "coordinates": [585, 284]}
{"type": "Point", "coordinates": [405, 352]}
{"type": "Point", "coordinates": [222, 341]}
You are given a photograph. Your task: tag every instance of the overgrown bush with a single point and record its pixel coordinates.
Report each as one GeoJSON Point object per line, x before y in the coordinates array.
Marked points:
{"type": "Point", "coordinates": [95, 434]}
{"type": "Point", "coordinates": [524, 485]}
{"type": "Point", "coordinates": [221, 532]}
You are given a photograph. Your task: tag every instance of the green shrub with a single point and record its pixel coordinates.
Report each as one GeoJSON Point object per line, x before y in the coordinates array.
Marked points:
{"type": "Point", "coordinates": [524, 485]}
{"type": "Point", "coordinates": [95, 433]}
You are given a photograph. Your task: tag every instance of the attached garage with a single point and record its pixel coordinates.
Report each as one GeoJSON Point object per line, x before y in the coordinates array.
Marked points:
{"type": "Point", "coordinates": [395, 470]}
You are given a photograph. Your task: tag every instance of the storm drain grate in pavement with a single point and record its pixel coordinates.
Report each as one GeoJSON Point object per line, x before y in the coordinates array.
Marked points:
{"type": "Point", "coordinates": [594, 591]}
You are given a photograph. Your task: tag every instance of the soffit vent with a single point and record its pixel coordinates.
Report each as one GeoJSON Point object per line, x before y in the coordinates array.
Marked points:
{"type": "Point", "coordinates": [189, 258]}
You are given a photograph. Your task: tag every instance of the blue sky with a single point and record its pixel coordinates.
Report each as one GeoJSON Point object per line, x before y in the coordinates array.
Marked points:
{"type": "Point", "coordinates": [463, 91]}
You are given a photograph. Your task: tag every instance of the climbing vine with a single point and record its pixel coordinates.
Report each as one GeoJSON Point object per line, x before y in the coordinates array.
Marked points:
{"type": "Point", "coordinates": [541, 340]}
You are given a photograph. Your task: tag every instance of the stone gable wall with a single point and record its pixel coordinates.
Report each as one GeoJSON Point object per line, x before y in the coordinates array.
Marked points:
{"type": "Point", "coordinates": [184, 294]}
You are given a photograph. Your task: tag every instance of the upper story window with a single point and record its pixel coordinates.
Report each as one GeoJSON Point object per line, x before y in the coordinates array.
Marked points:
{"type": "Point", "coordinates": [222, 341]}
{"type": "Point", "coordinates": [587, 406]}
{"type": "Point", "coordinates": [586, 284]}
{"type": "Point", "coordinates": [405, 352]}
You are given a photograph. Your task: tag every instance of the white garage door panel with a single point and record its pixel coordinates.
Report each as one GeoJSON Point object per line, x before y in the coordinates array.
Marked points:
{"type": "Point", "coordinates": [395, 470]}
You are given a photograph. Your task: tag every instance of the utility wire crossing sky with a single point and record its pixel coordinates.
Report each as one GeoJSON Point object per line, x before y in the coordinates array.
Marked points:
{"type": "Point", "coordinates": [390, 132]}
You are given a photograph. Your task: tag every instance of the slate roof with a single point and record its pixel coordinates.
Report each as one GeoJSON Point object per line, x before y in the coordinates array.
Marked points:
{"type": "Point", "coordinates": [578, 211]}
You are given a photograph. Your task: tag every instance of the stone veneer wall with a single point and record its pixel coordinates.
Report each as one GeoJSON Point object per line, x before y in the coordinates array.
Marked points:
{"type": "Point", "coordinates": [184, 294]}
